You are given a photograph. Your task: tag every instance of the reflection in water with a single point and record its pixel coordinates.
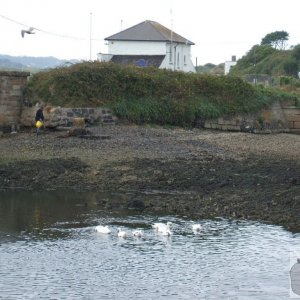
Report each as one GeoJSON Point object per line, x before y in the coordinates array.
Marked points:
{"type": "Point", "coordinates": [49, 249]}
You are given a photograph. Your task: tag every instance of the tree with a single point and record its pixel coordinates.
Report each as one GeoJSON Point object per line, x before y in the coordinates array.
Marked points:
{"type": "Point", "coordinates": [296, 52]}
{"type": "Point", "coordinates": [276, 39]}
{"type": "Point", "coordinates": [253, 57]}
{"type": "Point", "coordinates": [290, 67]}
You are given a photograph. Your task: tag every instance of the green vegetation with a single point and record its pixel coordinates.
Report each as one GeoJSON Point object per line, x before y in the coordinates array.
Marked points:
{"type": "Point", "coordinates": [149, 95]}
{"type": "Point", "coordinates": [211, 69]}
{"type": "Point", "coordinates": [276, 39]}
{"type": "Point", "coordinates": [265, 59]}
{"type": "Point", "coordinates": [271, 61]}
{"type": "Point", "coordinates": [282, 66]}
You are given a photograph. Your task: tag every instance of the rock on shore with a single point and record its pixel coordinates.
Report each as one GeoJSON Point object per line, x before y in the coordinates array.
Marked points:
{"type": "Point", "coordinates": [191, 172]}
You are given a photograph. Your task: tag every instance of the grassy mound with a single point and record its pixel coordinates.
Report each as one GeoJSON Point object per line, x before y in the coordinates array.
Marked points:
{"type": "Point", "coordinates": [148, 95]}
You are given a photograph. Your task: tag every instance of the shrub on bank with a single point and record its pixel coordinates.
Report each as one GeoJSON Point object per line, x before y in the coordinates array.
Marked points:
{"type": "Point", "coordinates": [148, 95]}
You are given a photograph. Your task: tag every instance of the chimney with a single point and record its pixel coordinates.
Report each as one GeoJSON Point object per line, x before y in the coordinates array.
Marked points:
{"type": "Point", "coordinates": [233, 58]}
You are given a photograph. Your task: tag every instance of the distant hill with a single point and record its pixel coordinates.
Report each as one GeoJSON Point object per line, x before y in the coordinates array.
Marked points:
{"type": "Point", "coordinates": [8, 62]}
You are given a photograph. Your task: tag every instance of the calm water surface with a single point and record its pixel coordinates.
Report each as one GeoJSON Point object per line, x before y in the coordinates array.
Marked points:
{"type": "Point", "coordinates": [49, 249]}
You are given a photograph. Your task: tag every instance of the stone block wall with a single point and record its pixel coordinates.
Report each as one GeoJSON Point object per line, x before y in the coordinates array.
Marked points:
{"type": "Point", "coordinates": [63, 117]}
{"type": "Point", "coordinates": [11, 87]}
{"type": "Point", "coordinates": [292, 113]}
{"type": "Point", "coordinates": [280, 117]}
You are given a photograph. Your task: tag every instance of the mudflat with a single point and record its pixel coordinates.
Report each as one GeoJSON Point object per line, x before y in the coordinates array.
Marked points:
{"type": "Point", "coordinates": [201, 173]}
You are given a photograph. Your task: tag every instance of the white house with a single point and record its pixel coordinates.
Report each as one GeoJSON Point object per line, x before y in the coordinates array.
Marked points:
{"type": "Point", "coordinates": [150, 44]}
{"type": "Point", "coordinates": [229, 64]}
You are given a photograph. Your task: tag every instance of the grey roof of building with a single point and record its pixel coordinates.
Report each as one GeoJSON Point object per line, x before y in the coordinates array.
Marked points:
{"type": "Point", "coordinates": [139, 60]}
{"type": "Point", "coordinates": [149, 31]}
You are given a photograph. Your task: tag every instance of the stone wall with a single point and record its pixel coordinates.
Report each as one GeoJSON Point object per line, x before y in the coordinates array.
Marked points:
{"type": "Point", "coordinates": [292, 114]}
{"type": "Point", "coordinates": [280, 117]}
{"type": "Point", "coordinates": [11, 87]}
{"type": "Point", "coordinates": [63, 117]}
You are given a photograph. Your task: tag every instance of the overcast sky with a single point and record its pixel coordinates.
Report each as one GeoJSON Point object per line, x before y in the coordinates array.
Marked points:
{"type": "Point", "coordinates": [219, 28]}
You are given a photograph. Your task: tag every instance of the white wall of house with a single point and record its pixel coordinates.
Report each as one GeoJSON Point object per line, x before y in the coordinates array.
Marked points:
{"type": "Point", "coordinates": [228, 65]}
{"type": "Point", "coordinates": [178, 56]}
{"type": "Point", "coordinates": [136, 48]}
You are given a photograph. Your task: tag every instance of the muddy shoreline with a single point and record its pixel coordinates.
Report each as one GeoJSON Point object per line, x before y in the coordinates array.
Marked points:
{"type": "Point", "coordinates": [197, 173]}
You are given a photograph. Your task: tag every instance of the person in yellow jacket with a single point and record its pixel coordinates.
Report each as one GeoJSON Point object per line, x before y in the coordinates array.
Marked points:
{"type": "Point", "coordinates": [39, 119]}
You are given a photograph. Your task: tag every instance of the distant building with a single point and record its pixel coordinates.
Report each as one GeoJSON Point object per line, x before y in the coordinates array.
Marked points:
{"type": "Point", "coordinates": [229, 64]}
{"type": "Point", "coordinates": [150, 44]}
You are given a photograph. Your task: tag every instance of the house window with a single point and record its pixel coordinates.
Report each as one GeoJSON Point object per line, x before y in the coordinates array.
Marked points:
{"type": "Point", "coordinates": [178, 60]}
{"type": "Point", "coordinates": [170, 55]}
{"type": "Point", "coordinates": [184, 59]}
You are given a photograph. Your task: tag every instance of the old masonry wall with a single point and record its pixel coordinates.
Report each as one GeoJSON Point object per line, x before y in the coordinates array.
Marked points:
{"type": "Point", "coordinates": [11, 93]}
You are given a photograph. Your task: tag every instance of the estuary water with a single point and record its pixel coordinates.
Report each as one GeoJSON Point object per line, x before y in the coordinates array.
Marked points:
{"type": "Point", "coordinates": [49, 249]}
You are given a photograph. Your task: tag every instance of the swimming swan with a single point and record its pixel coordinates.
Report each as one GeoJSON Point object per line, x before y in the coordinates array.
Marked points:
{"type": "Point", "coordinates": [102, 229]}
{"type": "Point", "coordinates": [196, 227]}
{"type": "Point", "coordinates": [163, 228]}
{"type": "Point", "coordinates": [160, 227]}
{"type": "Point", "coordinates": [165, 232]}
{"type": "Point", "coordinates": [122, 233]}
{"type": "Point", "coordinates": [137, 233]}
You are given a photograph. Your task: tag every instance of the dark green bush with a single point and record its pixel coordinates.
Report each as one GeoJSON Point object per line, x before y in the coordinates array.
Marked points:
{"type": "Point", "coordinates": [290, 67]}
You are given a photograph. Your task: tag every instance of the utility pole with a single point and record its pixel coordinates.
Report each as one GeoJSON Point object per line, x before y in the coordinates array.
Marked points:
{"type": "Point", "coordinates": [91, 15]}
{"type": "Point", "coordinates": [171, 47]}
{"type": "Point", "coordinates": [255, 75]}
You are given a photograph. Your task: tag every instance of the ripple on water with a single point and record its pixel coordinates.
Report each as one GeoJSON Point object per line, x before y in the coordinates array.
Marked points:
{"type": "Point", "coordinates": [69, 259]}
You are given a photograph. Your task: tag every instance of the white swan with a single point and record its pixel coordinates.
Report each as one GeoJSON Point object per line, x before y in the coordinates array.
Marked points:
{"type": "Point", "coordinates": [163, 228]}
{"type": "Point", "coordinates": [102, 229]}
{"type": "Point", "coordinates": [122, 233]}
{"type": "Point", "coordinates": [196, 227]}
{"type": "Point", "coordinates": [165, 232]}
{"type": "Point", "coordinates": [160, 227]}
{"type": "Point", "coordinates": [137, 233]}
